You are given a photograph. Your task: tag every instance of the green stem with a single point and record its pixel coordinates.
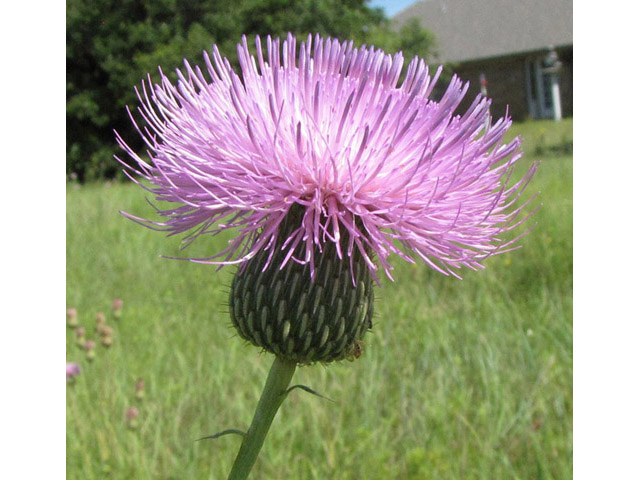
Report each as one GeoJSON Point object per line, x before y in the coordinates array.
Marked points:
{"type": "Point", "coordinates": [272, 396]}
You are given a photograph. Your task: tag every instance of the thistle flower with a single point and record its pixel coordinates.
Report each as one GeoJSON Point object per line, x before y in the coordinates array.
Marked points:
{"type": "Point", "coordinates": [80, 335]}
{"type": "Point", "coordinates": [131, 416]}
{"type": "Point", "coordinates": [89, 348]}
{"type": "Point", "coordinates": [139, 388]}
{"type": "Point", "coordinates": [325, 165]}
{"type": "Point", "coordinates": [101, 322]}
{"type": "Point", "coordinates": [73, 369]}
{"type": "Point", "coordinates": [104, 330]}
{"type": "Point", "coordinates": [72, 317]}
{"type": "Point", "coordinates": [116, 306]}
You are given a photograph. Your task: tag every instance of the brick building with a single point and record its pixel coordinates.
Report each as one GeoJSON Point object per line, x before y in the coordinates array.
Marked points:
{"type": "Point", "coordinates": [521, 50]}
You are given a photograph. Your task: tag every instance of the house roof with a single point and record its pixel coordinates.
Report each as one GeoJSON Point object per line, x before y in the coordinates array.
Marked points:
{"type": "Point", "coordinates": [472, 29]}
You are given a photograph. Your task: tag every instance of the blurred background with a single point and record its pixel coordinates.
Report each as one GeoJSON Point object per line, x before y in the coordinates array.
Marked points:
{"type": "Point", "coordinates": [463, 379]}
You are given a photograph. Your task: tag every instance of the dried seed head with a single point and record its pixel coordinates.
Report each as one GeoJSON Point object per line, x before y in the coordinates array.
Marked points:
{"type": "Point", "coordinates": [287, 313]}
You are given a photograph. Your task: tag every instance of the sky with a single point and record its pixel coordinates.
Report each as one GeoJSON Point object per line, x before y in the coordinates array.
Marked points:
{"type": "Point", "coordinates": [391, 7]}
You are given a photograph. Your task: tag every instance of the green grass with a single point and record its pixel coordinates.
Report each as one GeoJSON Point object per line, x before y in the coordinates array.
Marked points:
{"type": "Point", "coordinates": [466, 379]}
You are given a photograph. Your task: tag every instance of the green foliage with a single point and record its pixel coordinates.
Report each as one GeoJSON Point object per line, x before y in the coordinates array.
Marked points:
{"type": "Point", "coordinates": [337, 18]}
{"type": "Point", "coordinates": [544, 137]}
{"type": "Point", "coordinates": [112, 46]}
{"type": "Point", "coordinates": [466, 379]}
{"type": "Point", "coordinates": [412, 40]}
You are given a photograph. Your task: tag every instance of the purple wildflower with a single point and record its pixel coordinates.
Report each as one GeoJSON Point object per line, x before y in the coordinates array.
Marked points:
{"type": "Point", "coordinates": [327, 126]}
{"type": "Point", "coordinates": [73, 369]}
{"type": "Point", "coordinates": [116, 304]}
{"type": "Point", "coordinates": [132, 413]}
{"type": "Point", "coordinates": [72, 317]}
{"type": "Point", "coordinates": [139, 389]}
{"type": "Point", "coordinates": [131, 416]}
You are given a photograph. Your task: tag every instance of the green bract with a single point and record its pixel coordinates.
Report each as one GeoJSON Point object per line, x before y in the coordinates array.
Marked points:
{"type": "Point", "coordinates": [287, 313]}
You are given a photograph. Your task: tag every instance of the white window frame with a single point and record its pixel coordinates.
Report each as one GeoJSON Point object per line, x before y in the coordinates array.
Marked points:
{"type": "Point", "coordinates": [538, 108]}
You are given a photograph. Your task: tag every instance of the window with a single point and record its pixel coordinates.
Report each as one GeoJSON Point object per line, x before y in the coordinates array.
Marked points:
{"type": "Point", "coordinates": [540, 89]}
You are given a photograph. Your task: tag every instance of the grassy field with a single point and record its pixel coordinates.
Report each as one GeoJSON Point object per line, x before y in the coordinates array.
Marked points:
{"type": "Point", "coordinates": [466, 379]}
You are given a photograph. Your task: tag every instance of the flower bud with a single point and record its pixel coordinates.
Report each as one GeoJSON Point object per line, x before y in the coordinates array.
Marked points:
{"type": "Point", "coordinates": [100, 319]}
{"type": "Point", "coordinates": [80, 335]}
{"type": "Point", "coordinates": [107, 341]}
{"type": "Point", "coordinates": [140, 389]}
{"type": "Point", "coordinates": [89, 348]}
{"type": "Point", "coordinates": [287, 313]}
{"type": "Point", "coordinates": [131, 416]}
{"type": "Point", "coordinates": [105, 330]}
{"type": "Point", "coordinates": [72, 317]}
{"type": "Point", "coordinates": [116, 306]}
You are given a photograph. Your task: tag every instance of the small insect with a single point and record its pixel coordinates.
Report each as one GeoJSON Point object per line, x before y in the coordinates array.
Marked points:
{"type": "Point", "coordinates": [354, 350]}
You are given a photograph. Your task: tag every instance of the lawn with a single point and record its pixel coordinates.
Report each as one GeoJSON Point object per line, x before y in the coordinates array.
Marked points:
{"type": "Point", "coordinates": [460, 379]}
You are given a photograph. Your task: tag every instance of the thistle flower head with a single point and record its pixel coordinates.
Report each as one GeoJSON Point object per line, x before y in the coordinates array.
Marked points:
{"type": "Point", "coordinates": [131, 416]}
{"type": "Point", "coordinates": [100, 318]}
{"type": "Point", "coordinates": [328, 127]}
{"type": "Point", "coordinates": [139, 385]}
{"type": "Point", "coordinates": [72, 317]}
{"type": "Point", "coordinates": [116, 304]}
{"type": "Point", "coordinates": [104, 330]}
{"type": "Point", "coordinates": [73, 369]}
{"type": "Point", "coordinates": [131, 413]}
{"type": "Point", "coordinates": [139, 389]}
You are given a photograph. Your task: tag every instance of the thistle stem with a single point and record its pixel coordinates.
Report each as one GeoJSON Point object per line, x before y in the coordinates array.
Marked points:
{"type": "Point", "coordinates": [272, 396]}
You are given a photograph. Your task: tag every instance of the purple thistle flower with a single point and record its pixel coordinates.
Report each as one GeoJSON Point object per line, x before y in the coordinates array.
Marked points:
{"type": "Point", "coordinates": [73, 369]}
{"type": "Point", "coordinates": [327, 126]}
{"type": "Point", "coordinates": [72, 317]}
